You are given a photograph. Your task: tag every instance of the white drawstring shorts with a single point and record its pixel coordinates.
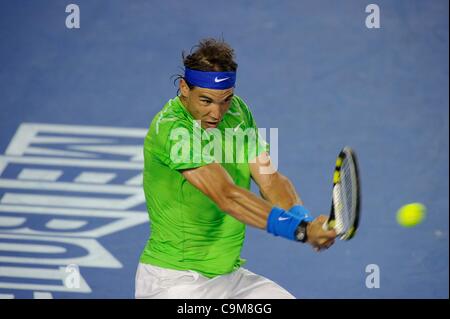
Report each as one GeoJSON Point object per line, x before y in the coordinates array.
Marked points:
{"type": "Point", "coordinates": [154, 282]}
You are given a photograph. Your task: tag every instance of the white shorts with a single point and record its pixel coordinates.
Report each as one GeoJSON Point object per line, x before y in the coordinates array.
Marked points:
{"type": "Point", "coordinates": [162, 283]}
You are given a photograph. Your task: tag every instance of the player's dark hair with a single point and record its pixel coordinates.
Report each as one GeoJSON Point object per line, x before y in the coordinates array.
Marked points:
{"type": "Point", "coordinates": [210, 55]}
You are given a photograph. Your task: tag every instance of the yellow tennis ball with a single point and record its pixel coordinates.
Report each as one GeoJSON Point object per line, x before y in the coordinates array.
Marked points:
{"type": "Point", "coordinates": [411, 215]}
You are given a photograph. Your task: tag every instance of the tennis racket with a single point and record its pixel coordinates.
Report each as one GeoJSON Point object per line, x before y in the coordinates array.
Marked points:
{"type": "Point", "coordinates": [346, 197]}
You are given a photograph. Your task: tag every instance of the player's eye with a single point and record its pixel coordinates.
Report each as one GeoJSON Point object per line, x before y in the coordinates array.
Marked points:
{"type": "Point", "coordinates": [228, 99]}
{"type": "Point", "coordinates": [206, 102]}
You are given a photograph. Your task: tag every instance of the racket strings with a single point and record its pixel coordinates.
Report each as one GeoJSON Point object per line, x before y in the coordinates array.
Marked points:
{"type": "Point", "coordinates": [345, 197]}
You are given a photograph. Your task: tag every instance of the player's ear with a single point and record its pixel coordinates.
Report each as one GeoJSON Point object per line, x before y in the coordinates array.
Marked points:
{"type": "Point", "coordinates": [184, 88]}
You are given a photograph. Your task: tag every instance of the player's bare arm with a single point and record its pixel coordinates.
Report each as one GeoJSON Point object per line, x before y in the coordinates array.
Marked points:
{"type": "Point", "coordinates": [275, 187]}
{"type": "Point", "coordinates": [214, 181]}
{"type": "Point", "coordinates": [279, 191]}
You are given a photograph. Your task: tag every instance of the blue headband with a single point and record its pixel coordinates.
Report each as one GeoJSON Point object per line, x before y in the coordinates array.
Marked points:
{"type": "Point", "coordinates": [210, 80]}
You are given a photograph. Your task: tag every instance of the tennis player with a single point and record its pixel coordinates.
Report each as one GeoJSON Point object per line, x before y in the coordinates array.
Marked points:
{"type": "Point", "coordinates": [197, 190]}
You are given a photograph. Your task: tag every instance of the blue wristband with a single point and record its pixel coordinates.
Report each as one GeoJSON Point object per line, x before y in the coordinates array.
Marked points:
{"type": "Point", "coordinates": [285, 223]}
{"type": "Point", "coordinates": [282, 223]}
{"type": "Point", "coordinates": [301, 212]}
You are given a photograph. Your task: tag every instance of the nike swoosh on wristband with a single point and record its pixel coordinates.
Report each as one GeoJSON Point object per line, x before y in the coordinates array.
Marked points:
{"type": "Point", "coordinates": [282, 218]}
{"type": "Point", "coordinates": [220, 80]}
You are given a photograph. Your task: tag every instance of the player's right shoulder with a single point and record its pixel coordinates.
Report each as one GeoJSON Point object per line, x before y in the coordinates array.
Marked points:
{"type": "Point", "coordinates": [172, 116]}
{"type": "Point", "coordinates": [166, 117]}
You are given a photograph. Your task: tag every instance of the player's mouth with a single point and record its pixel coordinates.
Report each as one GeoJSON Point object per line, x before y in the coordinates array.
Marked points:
{"type": "Point", "coordinates": [211, 124]}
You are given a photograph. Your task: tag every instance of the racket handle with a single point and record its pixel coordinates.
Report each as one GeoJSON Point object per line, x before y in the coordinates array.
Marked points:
{"type": "Point", "coordinates": [325, 226]}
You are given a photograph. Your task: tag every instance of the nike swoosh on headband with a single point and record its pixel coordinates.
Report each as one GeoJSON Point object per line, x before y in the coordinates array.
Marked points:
{"type": "Point", "coordinates": [220, 80]}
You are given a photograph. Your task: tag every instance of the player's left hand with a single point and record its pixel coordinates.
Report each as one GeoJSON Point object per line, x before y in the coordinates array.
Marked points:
{"type": "Point", "coordinates": [317, 237]}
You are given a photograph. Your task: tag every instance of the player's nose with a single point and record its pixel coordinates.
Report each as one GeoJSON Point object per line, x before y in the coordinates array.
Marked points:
{"type": "Point", "coordinates": [215, 112]}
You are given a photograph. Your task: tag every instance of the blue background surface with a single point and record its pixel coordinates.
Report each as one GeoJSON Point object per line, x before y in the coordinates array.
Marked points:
{"type": "Point", "coordinates": [309, 68]}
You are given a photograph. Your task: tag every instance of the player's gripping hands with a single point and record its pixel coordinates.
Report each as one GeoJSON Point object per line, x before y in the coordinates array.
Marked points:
{"type": "Point", "coordinates": [297, 224]}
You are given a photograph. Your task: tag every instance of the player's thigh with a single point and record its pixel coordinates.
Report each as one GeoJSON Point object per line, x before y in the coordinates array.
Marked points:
{"type": "Point", "coordinates": [252, 286]}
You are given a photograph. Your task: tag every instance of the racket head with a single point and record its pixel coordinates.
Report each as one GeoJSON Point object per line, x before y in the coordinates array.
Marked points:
{"type": "Point", "coordinates": [346, 196]}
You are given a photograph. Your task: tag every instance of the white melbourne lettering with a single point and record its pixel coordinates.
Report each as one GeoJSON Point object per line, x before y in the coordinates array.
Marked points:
{"type": "Point", "coordinates": [48, 220]}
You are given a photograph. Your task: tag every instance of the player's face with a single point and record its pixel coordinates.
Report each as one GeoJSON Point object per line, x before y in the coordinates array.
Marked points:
{"type": "Point", "coordinates": [207, 105]}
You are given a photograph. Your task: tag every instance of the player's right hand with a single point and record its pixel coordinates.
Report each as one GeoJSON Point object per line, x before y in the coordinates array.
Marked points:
{"type": "Point", "coordinates": [317, 237]}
